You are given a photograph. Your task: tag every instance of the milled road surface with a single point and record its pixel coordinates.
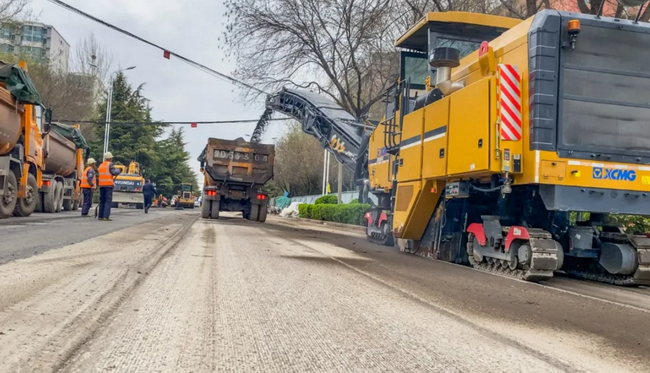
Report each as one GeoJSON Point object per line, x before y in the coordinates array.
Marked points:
{"type": "Point", "coordinates": [176, 294]}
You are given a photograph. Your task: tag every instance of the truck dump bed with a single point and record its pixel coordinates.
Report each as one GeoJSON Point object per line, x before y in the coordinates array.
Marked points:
{"type": "Point", "coordinates": [237, 161]}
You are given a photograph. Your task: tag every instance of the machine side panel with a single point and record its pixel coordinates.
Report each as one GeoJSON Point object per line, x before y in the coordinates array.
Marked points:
{"type": "Point", "coordinates": [469, 129]}
{"type": "Point", "coordinates": [595, 200]}
{"type": "Point", "coordinates": [410, 153]}
{"type": "Point", "coordinates": [379, 161]}
{"type": "Point", "coordinates": [414, 201]}
{"type": "Point", "coordinates": [436, 121]}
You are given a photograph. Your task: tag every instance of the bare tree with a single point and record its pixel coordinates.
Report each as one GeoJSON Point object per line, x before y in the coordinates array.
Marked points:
{"type": "Point", "coordinates": [329, 46]}
{"type": "Point", "coordinates": [90, 58]}
{"type": "Point", "coordinates": [299, 165]}
{"type": "Point", "coordinates": [14, 10]}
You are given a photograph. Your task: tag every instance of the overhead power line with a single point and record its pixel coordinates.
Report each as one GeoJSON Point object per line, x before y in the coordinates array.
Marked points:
{"type": "Point", "coordinates": [167, 123]}
{"type": "Point", "coordinates": [166, 52]}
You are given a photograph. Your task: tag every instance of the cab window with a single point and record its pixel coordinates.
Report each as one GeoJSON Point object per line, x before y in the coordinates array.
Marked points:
{"type": "Point", "coordinates": [464, 46]}
{"type": "Point", "coordinates": [38, 116]}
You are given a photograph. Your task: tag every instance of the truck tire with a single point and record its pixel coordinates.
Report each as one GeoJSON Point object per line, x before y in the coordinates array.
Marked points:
{"type": "Point", "coordinates": [59, 196]}
{"type": "Point", "coordinates": [205, 209]}
{"type": "Point", "coordinates": [214, 209]}
{"type": "Point", "coordinates": [255, 211]}
{"type": "Point", "coordinates": [67, 204]}
{"type": "Point", "coordinates": [262, 215]}
{"type": "Point", "coordinates": [49, 200]}
{"type": "Point", "coordinates": [39, 202]}
{"type": "Point", "coordinates": [26, 206]}
{"type": "Point", "coordinates": [8, 201]}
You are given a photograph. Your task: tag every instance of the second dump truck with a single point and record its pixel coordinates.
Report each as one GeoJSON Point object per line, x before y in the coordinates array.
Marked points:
{"type": "Point", "coordinates": [234, 173]}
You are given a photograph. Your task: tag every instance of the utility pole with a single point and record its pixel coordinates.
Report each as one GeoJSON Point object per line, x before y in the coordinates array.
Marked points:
{"type": "Point", "coordinates": [340, 184]}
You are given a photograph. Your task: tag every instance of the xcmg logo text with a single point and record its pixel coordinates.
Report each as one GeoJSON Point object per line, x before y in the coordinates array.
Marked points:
{"type": "Point", "coordinates": [613, 174]}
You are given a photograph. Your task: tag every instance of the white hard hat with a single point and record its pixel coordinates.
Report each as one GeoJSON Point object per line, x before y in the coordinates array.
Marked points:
{"type": "Point", "coordinates": [108, 155]}
{"type": "Point", "coordinates": [91, 161]}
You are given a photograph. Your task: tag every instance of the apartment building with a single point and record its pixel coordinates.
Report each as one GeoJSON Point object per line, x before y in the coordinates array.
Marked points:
{"type": "Point", "coordinates": [37, 40]}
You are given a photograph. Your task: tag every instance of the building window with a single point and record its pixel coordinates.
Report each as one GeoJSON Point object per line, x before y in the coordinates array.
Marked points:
{"type": "Point", "coordinates": [33, 34]}
{"type": "Point", "coordinates": [6, 32]}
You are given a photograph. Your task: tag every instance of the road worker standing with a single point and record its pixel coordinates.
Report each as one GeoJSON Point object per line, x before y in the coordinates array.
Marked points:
{"type": "Point", "coordinates": [88, 184]}
{"type": "Point", "coordinates": [107, 172]}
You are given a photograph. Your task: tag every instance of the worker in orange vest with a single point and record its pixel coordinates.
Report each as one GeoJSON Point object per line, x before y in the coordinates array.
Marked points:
{"type": "Point", "coordinates": [87, 185]}
{"type": "Point", "coordinates": [107, 172]}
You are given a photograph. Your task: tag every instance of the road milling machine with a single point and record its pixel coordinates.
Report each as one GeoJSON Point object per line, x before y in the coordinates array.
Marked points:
{"type": "Point", "coordinates": [506, 144]}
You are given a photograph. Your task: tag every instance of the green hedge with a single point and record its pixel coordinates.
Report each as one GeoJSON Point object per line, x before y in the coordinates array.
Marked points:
{"type": "Point", "coordinates": [327, 200]}
{"type": "Point", "coordinates": [348, 214]}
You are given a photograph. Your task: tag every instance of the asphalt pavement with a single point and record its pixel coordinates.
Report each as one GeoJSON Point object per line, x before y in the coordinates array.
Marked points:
{"type": "Point", "coordinates": [175, 293]}
{"type": "Point", "coordinates": [25, 237]}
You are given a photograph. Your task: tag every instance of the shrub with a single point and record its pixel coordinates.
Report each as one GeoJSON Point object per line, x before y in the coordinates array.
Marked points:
{"type": "Point", "coordinates": [326, 200]}
{"type": "Point", "coordinates": [347, 214]}
{"type": "Point", "coordinates": [356, 200]}
{"type": "Point", "coordinates": [304, 210]}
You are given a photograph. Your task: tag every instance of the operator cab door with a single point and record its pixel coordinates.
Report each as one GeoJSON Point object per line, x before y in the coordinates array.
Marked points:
{"type": "Point", "coordinates": [469, 129]}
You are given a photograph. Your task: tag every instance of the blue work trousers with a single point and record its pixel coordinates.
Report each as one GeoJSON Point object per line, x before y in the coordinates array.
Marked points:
{"type": "Point", "coordinates": [105, 201]}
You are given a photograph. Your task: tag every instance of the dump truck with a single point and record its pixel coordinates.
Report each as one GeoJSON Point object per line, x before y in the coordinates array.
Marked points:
{"type": "Point", "coordinates": [508, 145]}
{"type": "Point", "coordinates": [21, 143]}
{"type": "Point", "coordinates": [234, 173]}
{"type": "Point", "coordinates": [64, 150]}
{"type": "Point", "coordinates": [128, 186]}
{"type": "Point", "coordinates": [186, 197]}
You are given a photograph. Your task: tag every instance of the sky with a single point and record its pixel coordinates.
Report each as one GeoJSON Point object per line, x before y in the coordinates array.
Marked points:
{"type": "Point", "coordinates": [178, 92]}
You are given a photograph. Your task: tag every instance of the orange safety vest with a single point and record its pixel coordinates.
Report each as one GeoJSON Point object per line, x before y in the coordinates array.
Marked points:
{"type": "Point", "coordinates": [105, 177]}
{"type": "Point", "coordinates": [84, 179]}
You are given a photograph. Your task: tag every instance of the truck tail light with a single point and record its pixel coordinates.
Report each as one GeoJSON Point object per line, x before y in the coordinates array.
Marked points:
{"type": "Point", "coordinates": [211, 192]}
{"type": "Point", "coordinates": [47, 182]}
{"type": "Point", "coordinates": [261, 196]}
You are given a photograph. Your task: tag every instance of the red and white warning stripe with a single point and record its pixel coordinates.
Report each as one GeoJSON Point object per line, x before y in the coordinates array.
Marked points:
{"type": "Point", "coordinates": [509, 101]}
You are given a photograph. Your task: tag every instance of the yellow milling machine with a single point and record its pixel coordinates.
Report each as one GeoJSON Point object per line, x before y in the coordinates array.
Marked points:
{"type": "Point", "coordinates": [506, 144]}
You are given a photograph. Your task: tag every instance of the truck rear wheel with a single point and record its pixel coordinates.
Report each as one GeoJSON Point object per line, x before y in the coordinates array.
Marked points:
{"type": "Point", "coordinates": [59, 196]}
{"type": "Point", "coordinates": [50, 199]}
{"type": "Point", "coordinates": [26, 206]}
{"type": "Point", "coordinates": [205, 209]}
{"type": "Point", "coordinates": [39, 202]}
{"type": "Point", "coordinates": [262, 215]}
{"type": "Point", "coordinates": [255, 211]}
{"type": "Point", "coordinates": [9, 199]}
{"type": "Point", "coordinates": [214, 209]}
{"type": "Point", "coordinates": [67, 204]}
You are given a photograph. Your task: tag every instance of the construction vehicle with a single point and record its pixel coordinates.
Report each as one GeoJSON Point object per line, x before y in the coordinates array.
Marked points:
{"type": "Point", "coordinates": [506, 144]}
{"type": "Point", "coordinates": [234, 173]}
{"type": "Point", "coordinates": [128, 186]}
{"type": "Point", "coordinates": [64, 149]}
{"type": "Point", "coordinates": [40, 161]}
{"type": "Point", "coordinates": [186, 197]}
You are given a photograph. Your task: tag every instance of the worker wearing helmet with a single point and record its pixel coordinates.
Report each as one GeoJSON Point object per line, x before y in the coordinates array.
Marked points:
{"type": "Point", "coordinates": [88, 184]}
{"type": "Point", "coordinates": [107, 172]}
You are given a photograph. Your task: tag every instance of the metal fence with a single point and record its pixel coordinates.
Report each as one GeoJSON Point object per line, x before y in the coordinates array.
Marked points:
{"type": "Point", "coordinates": [346, 197]}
